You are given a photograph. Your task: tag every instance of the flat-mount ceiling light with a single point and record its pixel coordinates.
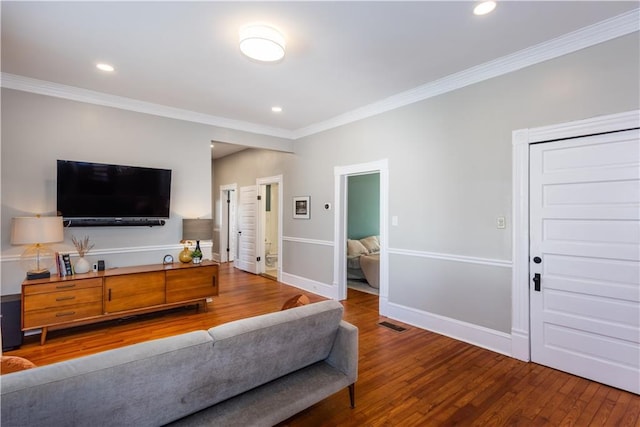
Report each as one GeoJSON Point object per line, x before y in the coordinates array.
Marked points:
{"type": "Point", "coordinates": [484, 8]}
{"type": "Point", "coordinates": [261, 42]}
{"type": "Point", "coordinates": [276, 109]}
{"type": "Point", "coordinates": [104, 67]}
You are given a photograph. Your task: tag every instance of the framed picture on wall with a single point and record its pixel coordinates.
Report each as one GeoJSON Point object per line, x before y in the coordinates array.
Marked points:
{"type": "Point", "coordinates": [301, 207]}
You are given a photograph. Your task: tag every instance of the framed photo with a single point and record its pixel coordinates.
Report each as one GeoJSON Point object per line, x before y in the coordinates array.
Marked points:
{"type": "Point", "coordinates": [301, 207]}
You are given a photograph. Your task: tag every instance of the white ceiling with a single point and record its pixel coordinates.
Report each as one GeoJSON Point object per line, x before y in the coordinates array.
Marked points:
{"type": "Point", "coordinates": [341, 56]}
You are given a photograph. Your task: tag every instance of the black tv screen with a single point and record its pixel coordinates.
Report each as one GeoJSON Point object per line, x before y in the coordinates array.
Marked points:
{"type": "Point", "coordinates": [96, 190]}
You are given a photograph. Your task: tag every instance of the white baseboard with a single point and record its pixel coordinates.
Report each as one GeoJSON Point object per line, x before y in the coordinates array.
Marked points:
{"type": "Point", "coordinates": [493, 340]}
{"type": "Point", "coordinates": [520, 345]}
{"type": "Point", "coordinates": [319, 288]}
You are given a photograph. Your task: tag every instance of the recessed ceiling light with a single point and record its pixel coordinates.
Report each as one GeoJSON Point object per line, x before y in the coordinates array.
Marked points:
{"type": "Point", "coordinates": [262, 42]}
{"type": "Point", "coordinates": [105, 67]}
{"type": "Point", "coordinates": [484, 8]}
{"type": "Point", "coordinates": [276, 109]}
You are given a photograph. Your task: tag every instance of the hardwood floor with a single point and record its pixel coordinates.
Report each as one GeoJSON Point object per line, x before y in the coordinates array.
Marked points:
{"type": "Point", "coordinates": [408, 378]}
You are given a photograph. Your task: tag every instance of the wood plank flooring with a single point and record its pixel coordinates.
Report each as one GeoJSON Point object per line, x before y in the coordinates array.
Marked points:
{"type": "Point", "coordinates": [408, 378]}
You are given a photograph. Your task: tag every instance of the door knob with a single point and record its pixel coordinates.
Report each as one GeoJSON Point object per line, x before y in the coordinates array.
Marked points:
{"type": "Point", "coordinates": [537, 260]}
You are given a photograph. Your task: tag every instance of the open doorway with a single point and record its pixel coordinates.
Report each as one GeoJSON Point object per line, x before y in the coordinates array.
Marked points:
{"type": "Point", "coordinates": [363, 232]}
{"type": "Point", "coordinates": [342, 175]}
{"type": "Point", "coordinates": [269, 239]}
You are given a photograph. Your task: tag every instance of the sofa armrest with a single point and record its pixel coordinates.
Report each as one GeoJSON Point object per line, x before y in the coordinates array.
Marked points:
{"type": "Point", "coordinates": [344, 353]}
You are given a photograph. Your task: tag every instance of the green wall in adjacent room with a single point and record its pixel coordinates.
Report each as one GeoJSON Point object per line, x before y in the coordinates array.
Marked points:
{"type": "Point", "coordinates": [363, 206]}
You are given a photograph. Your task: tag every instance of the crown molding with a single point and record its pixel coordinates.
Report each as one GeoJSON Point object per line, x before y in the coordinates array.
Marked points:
{"type": "Point", "coordinates": [42, 87]}
{"type": "Point", "coordinates": [600, 32]}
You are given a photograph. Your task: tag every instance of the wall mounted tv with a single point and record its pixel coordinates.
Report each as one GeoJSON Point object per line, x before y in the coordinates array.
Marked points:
{"type": "Point", "coordinates": [97, 194]}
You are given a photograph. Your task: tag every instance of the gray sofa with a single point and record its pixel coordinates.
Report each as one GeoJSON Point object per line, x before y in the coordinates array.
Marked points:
{"type": "Point", "coordinates": [252, 372]}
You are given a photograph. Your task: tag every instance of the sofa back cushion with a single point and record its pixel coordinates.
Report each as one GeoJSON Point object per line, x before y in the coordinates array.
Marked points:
{"type": "Point", "coordinates": [141, 384]}
{"type": "Point", "coordinates": [251, 352]}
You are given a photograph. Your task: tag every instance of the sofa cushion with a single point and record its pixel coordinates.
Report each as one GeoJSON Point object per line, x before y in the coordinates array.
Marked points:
{"type": "Point", "coordinates": [142, 384]}
{"type": "Point", "coordinates": [250, 352]}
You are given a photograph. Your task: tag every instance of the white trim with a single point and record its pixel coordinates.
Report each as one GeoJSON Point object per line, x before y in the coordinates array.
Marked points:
{"type": "Point", "coordinates": [480, 336]}
{"type": "Point", "coordinates": [600, 32]}
{"type": "Point", "coordinates": [452, 257]}
{"type": "Point", "coordinates": [521, 139]}
{"type": "Point", "coordinates": [594, 125]}
{"type": "Point", "coordinates": [116, 251]}
{"type": "Point", "coordinates": [307, 241]}
{"type": "Point", "coordinates": [319, 288]}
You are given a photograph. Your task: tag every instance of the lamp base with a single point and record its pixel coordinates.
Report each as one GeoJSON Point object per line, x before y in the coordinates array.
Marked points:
{"type": "Point", "coordinates": [32, 275]}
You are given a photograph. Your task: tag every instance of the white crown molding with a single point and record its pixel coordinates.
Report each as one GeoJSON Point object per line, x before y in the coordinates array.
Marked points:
{"type": "Point", "coordinates": [606, 30]}
{"type": "Point", "coordinates": [600, 32]}
{"type": "Point", "coordinates": [42, 87]}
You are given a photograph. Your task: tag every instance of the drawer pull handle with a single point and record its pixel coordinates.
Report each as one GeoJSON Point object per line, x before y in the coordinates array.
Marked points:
{"type": "Point", "coordinates": [65, 286]}
{"type": "Point", "coordinates": [64, 298]}
{"type": "Point", "coordinates": [213, 281]}
{"type": "Point", "coordinates": [66, 313]}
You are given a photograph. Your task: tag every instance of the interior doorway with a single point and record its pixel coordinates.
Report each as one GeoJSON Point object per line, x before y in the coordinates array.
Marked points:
{"type": "Point", "coordinates": [341, 183]}
{"type": "Point", "coordinates": [363, 231]}
{"type": "Point", "coordinates": [269, 226]}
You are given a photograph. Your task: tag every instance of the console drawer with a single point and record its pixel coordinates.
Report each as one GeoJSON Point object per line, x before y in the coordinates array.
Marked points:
{"type": "Point", "coordinates": [46, 317]}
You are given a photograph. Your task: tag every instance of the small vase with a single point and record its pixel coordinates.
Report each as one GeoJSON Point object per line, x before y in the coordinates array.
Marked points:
{"type": "Point", "coordinates": [185, 255]}
{"type": "Point", "coordinates": [81, 266]}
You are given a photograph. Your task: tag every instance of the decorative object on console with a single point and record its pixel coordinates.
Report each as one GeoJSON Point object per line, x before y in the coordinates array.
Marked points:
{"type": "Point", "coordinates": [168, 259]}
{"type": "Point", "coordinates": [36, 232]}
{"type": "Point", "coordinates": [185, 254]}
{"type": "Point", "coordinates": [83, 247]}
{"type": "Point", "coordinates": [197, 229]}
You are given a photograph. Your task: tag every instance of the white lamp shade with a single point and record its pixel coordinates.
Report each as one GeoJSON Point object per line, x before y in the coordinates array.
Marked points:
{"type": "Point", "coordinates": [262, 43]}
{"type": "Point", "coordinates": [37, 229]}
{"type": "Point", "coordinates": [197, 229]}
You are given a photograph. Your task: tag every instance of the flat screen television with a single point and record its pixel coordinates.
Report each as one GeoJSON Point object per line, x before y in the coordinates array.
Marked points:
{"type": "Point", "coordinates": [97, 191]}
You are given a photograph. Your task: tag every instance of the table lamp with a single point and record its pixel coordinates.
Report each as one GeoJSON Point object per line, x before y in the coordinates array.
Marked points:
{"type": "Point", "coordinates": [36, 232]}
{"type": "Point", "coordinates": [197, 229]}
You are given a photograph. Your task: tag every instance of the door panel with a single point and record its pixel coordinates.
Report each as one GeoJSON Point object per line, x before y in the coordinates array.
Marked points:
{"type": "Point", "coordinates": [247, 211]}
{"type": "Point", "coordinates": [585, 233]}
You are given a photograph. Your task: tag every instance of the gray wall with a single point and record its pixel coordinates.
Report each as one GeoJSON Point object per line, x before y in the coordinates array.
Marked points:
{"type": "Point", "coordinates": [37, 130]}
{"type": "Point", "coordinates": [363, 211]}
{"type": "Point", "coordinates": [449, 178]}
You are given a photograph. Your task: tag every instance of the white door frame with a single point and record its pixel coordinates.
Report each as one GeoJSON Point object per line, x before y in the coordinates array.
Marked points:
{"type": "Point", "coordinates": [341, 174]}
{"type": "Point", "coordinates": [260, 218]}
{"type": "Point", "coordinates": [521, 139]}
{"type": "Point", "coordinates": [227, 224]}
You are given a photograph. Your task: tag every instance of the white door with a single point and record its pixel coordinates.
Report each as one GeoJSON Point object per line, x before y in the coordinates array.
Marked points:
{"type": "Point", "coordinates": [585, 257]}
{"type": "Point", "coordinates": [247, 210]}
